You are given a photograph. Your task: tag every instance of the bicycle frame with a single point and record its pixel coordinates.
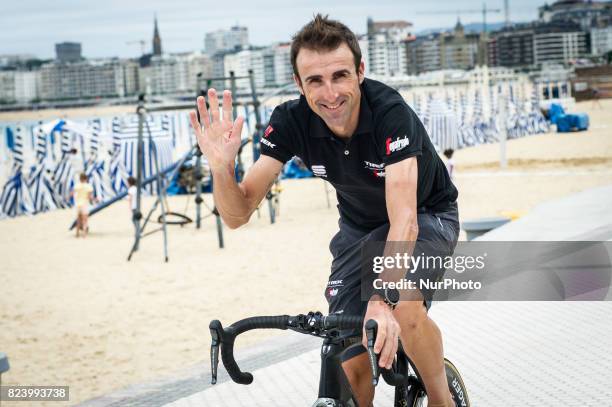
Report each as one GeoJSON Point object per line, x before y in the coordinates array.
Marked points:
{"type": "Point", "coordinates": [334, 388]}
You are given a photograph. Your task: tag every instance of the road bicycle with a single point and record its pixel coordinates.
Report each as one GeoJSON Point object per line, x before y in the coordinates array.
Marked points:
{"type": "Point", "coordinates": [334, 389]}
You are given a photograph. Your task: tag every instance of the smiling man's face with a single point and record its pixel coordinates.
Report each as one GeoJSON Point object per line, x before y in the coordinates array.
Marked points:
{"type": "Point", "coordinates": [329, 82]}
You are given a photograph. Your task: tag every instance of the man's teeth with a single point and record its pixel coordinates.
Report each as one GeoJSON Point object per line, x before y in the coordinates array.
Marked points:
{"type": "Point", "coordinates": [333, 107]}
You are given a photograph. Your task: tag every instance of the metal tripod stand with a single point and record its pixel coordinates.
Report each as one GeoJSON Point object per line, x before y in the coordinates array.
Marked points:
{"type": "Point", "coordinates": [161, 189]}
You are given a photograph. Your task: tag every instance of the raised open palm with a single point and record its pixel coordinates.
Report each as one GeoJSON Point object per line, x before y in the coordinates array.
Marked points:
{"type": "Point", "coordinates": [218, 137]}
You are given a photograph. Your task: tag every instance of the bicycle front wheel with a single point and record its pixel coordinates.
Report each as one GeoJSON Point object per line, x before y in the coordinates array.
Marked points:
{"type": "Point", "coordinates": [455, 385]}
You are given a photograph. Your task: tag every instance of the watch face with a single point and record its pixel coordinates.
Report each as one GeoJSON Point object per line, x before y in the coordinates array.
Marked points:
{"type": "Point", "coordinates": [393, 295]}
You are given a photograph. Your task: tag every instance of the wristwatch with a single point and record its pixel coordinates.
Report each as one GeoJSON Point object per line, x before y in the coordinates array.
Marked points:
{"type": "Point", "coordinates": [390, 296]}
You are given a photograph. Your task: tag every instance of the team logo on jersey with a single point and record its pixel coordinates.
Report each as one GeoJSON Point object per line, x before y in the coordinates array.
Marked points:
{"type": "Point", "coordinates": [267, 143]}
{"type": "Point", "coordinates": [319, 171]}
{"type": "Point", "coordinates": [332, 292]}
{"type": "Point", "coordinates": [335, 283]}
{"type": "Point", "coordinates": [396, 145]}
{"type": "Point", "coordinates": [377, 169]}
{"type": "Point", "coordinates": [268, 130]}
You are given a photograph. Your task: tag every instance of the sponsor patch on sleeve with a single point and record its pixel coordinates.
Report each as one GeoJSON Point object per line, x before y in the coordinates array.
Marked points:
{"type": "Point", "coordinates": [268, 130]}
{"type": "Point", "coordinates": [397, 144]}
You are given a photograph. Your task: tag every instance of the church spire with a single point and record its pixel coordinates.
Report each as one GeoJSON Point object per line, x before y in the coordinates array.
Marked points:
{"type": "Point", "coordinates": [157, 49]}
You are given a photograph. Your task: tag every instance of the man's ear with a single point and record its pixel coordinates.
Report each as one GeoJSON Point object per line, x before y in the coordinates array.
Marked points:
{"type": "Point", "coordinates": [361, 72]}
{"type": "Point", "coordinates": [298, 83]}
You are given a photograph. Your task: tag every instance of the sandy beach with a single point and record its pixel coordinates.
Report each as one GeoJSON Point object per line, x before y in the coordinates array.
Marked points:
{"type": "Point", "coordinates": [75, 312]}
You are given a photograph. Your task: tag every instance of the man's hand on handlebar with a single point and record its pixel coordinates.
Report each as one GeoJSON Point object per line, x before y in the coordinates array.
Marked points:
{"type": "Point", "coordinates": [388, 331]}
{"type": "Point", "coordinates": [218, 136]}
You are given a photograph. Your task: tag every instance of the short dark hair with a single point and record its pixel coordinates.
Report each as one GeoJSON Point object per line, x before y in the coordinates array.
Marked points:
{"type": "Point", "coordinates": [448, 153]}
{"type": "Point", "coordinates": [83, 177]}
{"type": "Point", "coordinates": [131, 181]}
{"type": "Point", "coordinates": [323, 34]}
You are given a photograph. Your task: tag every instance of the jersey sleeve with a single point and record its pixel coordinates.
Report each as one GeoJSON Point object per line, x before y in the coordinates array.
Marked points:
{"type": "Point", "coordinates": [400, 134]}
{"type": "Point", "coordinates": [275, 142]}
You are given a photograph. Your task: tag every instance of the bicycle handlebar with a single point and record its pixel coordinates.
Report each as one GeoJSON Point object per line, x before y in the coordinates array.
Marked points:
{"type": "Point", "coordinates": [312, 323]}
{"type": "Point", "coordinates": [227, 336]}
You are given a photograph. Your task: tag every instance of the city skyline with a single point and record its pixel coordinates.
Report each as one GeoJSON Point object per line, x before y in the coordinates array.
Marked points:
{"type": "Point", "coordinates": [104, 30]}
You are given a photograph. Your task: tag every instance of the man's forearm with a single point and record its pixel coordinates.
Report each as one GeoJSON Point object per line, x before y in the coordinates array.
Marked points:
{"type": "Point", "coordinates": [401, 239]}
{"type": "Point", "coordinates": [230, 200]}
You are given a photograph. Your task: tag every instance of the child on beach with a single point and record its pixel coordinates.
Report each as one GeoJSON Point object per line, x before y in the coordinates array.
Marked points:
{"type": "Point", "coordinates": [132, 191]}
{"type": "Point", "coordinates": [83, 195]}
{"type": "Point", "coordinates": [450, 163]}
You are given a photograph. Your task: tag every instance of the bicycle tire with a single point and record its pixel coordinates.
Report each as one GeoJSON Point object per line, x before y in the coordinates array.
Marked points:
{"type": "Point", "coordinates": [272, 210]}
{"type": "Point", "coordinates": [418, 398]}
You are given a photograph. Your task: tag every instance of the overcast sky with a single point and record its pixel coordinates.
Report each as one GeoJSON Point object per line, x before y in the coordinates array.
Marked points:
{"type": "Point", "coordinates": [104, 27]}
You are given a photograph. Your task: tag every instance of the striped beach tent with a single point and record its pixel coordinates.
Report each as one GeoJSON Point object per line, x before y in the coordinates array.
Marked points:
{"type": "Point", "coordinates": [95, 166]}
{"type": "Point", "coordinates": [127, 137]}
{"type": "Point", "coordinates": [16, 199]}
{"type": "Point", "coordinates": [63, 174]}
{"type": "Point", "coordinates": [425, 109]}
{"type": "Point", "coordinates": [477, 120]}
{"type": "Point", "coordinates": [465, 136]}
{"type": "Point", "coordinates": [416, 104]}
{"type": "Point", "coordinates": [117, 171]}
{"type": "Point", "coordinates": [40, 182]}
{"type": "Point", "coordinates": [442, 125]}
{"type": "Point", "coordinates": [536, 122]}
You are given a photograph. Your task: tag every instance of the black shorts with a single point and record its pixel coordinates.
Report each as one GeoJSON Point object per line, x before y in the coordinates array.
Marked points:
{"type": "Point", "coordinates": [343, 291]}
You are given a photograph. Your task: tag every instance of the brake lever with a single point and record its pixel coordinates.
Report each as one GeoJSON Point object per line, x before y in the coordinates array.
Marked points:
{"type": "Point", "coordinates": [371, 328]}
{"type": "Point", "coordinates": [216, 333]}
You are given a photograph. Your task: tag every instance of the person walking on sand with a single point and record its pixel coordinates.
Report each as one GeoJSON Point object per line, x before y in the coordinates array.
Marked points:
{"type": "Point", "coordinates": [132, 191]}
{"type": "Point", "coordinates": [83, 196]}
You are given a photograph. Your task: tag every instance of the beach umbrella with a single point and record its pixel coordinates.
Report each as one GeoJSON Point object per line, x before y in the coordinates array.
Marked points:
{"type": "Point", "coordinates": [40, 183]}
{"type": "Point", "coordinates": [16, 199]}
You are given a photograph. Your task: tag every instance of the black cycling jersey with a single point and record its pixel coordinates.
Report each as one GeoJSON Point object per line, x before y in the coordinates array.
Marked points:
{"type": "Point", "coordinates": [388, 132]}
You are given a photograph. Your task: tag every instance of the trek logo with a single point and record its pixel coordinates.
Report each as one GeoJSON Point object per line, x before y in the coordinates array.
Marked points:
{"type": "Point", "coordinates": [335, 283]}
{"type": "Point", "coordinates": [267, 143]}
{"type": "Point", "coordinates": [268, 130]}
{"type": "Point", "coordinates": [319, 171]}
{"type": "Point", "coordinates": [397, 145]}
{"type": "Point", "coordinates": [377, 169]}
{"type": "Point", "coordinates": [332, 292]}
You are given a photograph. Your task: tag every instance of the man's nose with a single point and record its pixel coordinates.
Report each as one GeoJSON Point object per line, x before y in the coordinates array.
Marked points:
{"type": "Point", "coordinates": [330, 92]}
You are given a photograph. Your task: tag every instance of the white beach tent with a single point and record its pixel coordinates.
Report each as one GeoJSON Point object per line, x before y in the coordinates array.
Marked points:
{"type": "Point", "coordinates": [15, 198]}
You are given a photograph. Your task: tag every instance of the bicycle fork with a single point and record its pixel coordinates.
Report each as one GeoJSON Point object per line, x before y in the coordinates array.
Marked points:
{"type": "Point", "coordinates": [334, 388]}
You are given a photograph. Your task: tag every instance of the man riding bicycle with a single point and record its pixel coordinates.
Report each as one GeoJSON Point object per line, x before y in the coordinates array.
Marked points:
{"type": "Point", "coordinates": [360, 136]}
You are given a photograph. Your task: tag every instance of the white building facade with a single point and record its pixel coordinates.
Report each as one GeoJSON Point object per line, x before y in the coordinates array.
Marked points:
{"type": "Point", "coordinates": [235, 38]}
{"type": "Point", "coordinates": [601, 40]}
{"type": "Point", "coordinates": [559, 47]}
{"type": "Point", "coordinates": [387, 47]}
